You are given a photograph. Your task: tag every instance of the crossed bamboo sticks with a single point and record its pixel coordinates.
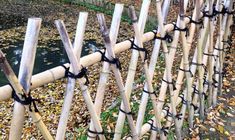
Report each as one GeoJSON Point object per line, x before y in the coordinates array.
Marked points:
{"type": "Point", "coordinates": [25, 100]}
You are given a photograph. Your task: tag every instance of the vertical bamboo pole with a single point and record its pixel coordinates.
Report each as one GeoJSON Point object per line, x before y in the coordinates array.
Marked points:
{"type": "Point", "coordinates": [223, 24]}
{"type": "Point", "coordinates": [131, 70]}
{"type": "Point", "coordinates": [19, 90]}
{"type": "Point", "coordinates": [186, 57]}
{"type": "Point", "coordinates": [71, 81]}
{"type": "Point", "coordinates": [117, 73]}
{"type": "Point", "coordinates": [76, 68]}
{"type": "Point", "coordinates": [168, 69]}
{"type": "Point", "coordinates": [148, 79]}
{"type": "Point", "coordinates": [152, 64]}
{"type": "Point", "coordinates": [25, 74]}
{"type": "Point", "coordinates": [210, 51]}
{"type": "Point", "coordinates": [105, 70]}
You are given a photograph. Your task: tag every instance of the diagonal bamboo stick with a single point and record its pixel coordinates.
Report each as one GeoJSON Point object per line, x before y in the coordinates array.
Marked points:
{"type": "Point", "coordinates": [71, 81]}
{"type": "Point", "coordinates": [146, 70]}
{"type": "Point", "coordinates": [168, 69]}
{"type": "Point", "coordinates": [25, 74]}
{"type": "Point", "coordinates": [223, 26]}
{"type": "Point", "coordinates": [152, 64]}
{"type": "Point", "coordinates": [105, 70]}
{"type": "Point", "coordinates": [186, 56]}
{"type": "Point", "coordinates": [131, 70]}
{"type": "Point", "coordinates": [117, 74]}
{"type": "Point", "coordinates": [58, 72]}
{"type": "Point", "coordinates": [20, 92]}
{"type": "Point", "coordinates": [76, 68]}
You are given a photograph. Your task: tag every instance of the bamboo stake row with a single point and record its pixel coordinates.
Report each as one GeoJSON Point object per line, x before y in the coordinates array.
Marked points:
{"type": "Point", "coordinates": [110, 38]}
{"type": "Point", "coordinates": [58, 72]}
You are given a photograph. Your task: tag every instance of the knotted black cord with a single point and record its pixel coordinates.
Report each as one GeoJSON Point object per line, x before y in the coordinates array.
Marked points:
{"type": "Point", "coordinates": [114, 61]}
{"type": "Point", "coordinates": [154, 93]}
{"type": "Point", "coordinates": [172, 83]}
{"type": "Point", "coordinates": [181, 30]}
{"type": "Point", "coordinates": [154, 128]}
{"type": "Point", "coordinates": [127, 113]}
{"type": "Point", "coordinates": [136, 47]}
{"type": "Point", "coordinates": [199, 22]}
{"type": "Point", "coordinates": [98, 133]}
{"type": "Point", "coordinates": [200, 64]}
{"type": "Point", "coordinates": [189, 71]}
{"type": "Point", "coordinates": [208, 54]}
{"type": "Point", "coordinates": [183, 100]}
{"type": "Point", "coordinates": [81, 74]}
{"type": "Point", "coordinates": [167, 37]}
{"type": "Point", "coordinates": [169, 114]}
{"type": "Point", "coordinates": [27, 100]}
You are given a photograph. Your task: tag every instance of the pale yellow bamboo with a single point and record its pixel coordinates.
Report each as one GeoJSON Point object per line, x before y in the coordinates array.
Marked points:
{"type": "Point", "coordinates": [152, 65]}
{"type": "Point", "coordinates": [71, 81]}
{"type": "Point", "coordinates": [19, 90]}
{"type": "Point", "coordinates": [146, 70]}
{"type": "Point", "coordinates": [105, 69]}
{"type": "Point", "coordinates": [117, 74]}
{"type": "Point", "coordinates": [25, 74]}
{"type": "Point", "coordinates": [131, 70]}
{"type": "Point", "coordinates": [88, 60]}
{"type": "Point", "coordinates": [76, 68]}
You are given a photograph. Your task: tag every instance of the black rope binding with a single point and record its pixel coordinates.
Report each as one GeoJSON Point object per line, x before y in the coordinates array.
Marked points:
{"type": "Point", "coordinates": [172, 83]}
{"type": "Point", "coordinates": [167, 37]}
{"type": "Point", "coordinates": [28, 100]}
{"type": "Point", "coordinates": [208, 54]}
{"type": "Point", "coordinates": [95, 133]}
{"type": "Point", "coordinates": [181, 30]}
{"type": "Point", "coordinates": [164, 130]}
{"type": "Point", "coordinates": [189, 71]}
{"type": "Point", "coordinates": [198, 64]}
{"type": "Point", "coordinates": [136, 47]}
{"type": "Point", "coordinates": [114, 61]}
{"type": "Point", "coordinates": [154, 93]}
{"type": "Point", "coordinates": [183, 100]}
{"type": "Point", "coordinates": [81, 74]}
{"type": "Point", "coordinates": [199, 22]}
{"type": "Point", "coordinates": [169, 114]}
{"type": "Point", "coordinates": [127, 113]}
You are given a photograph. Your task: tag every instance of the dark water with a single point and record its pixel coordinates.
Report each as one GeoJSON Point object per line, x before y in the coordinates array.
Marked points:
{"type": "Point", "coordinates": [47, 56]}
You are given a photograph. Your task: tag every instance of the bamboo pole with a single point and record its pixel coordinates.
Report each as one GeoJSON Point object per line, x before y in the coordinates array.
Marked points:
{"type": "Point", "coordinates": [131, 70]}
{"type": "Point", "coordinates": [76, 66]}
{"type": "Point", "coordinates": [152, 65]}
{"type": "Point", "coordinates": [20, 92]}
{"type": "Point", "coordinates": [71, 81]}
{"type": "Point", "coordinates": [227, 4]}
{"type": "Point", "coordinates": [186, 57]}
{"type": "Point", "coordinates": [25, 74]}
{"type": "Point", "coordinates": [117, 73]}
{"type": "Point", "coordinates": [88, 60]}
{"type": "Point", "coordinates": [168, 69]}
{"type": "Point", "coordinates": [105, 69]}
{"type": "Point", "coordinates": [210, 51]}
{"type": "Point", "coordinates": [146, 70]}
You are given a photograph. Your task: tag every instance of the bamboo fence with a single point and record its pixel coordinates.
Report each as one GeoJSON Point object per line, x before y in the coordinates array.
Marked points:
{"type": "Point", "coordinates": [203, 71]}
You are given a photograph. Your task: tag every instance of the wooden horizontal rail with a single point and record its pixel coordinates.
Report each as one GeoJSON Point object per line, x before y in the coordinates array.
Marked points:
{"type": "Point", "coordinates": [57, 72]}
